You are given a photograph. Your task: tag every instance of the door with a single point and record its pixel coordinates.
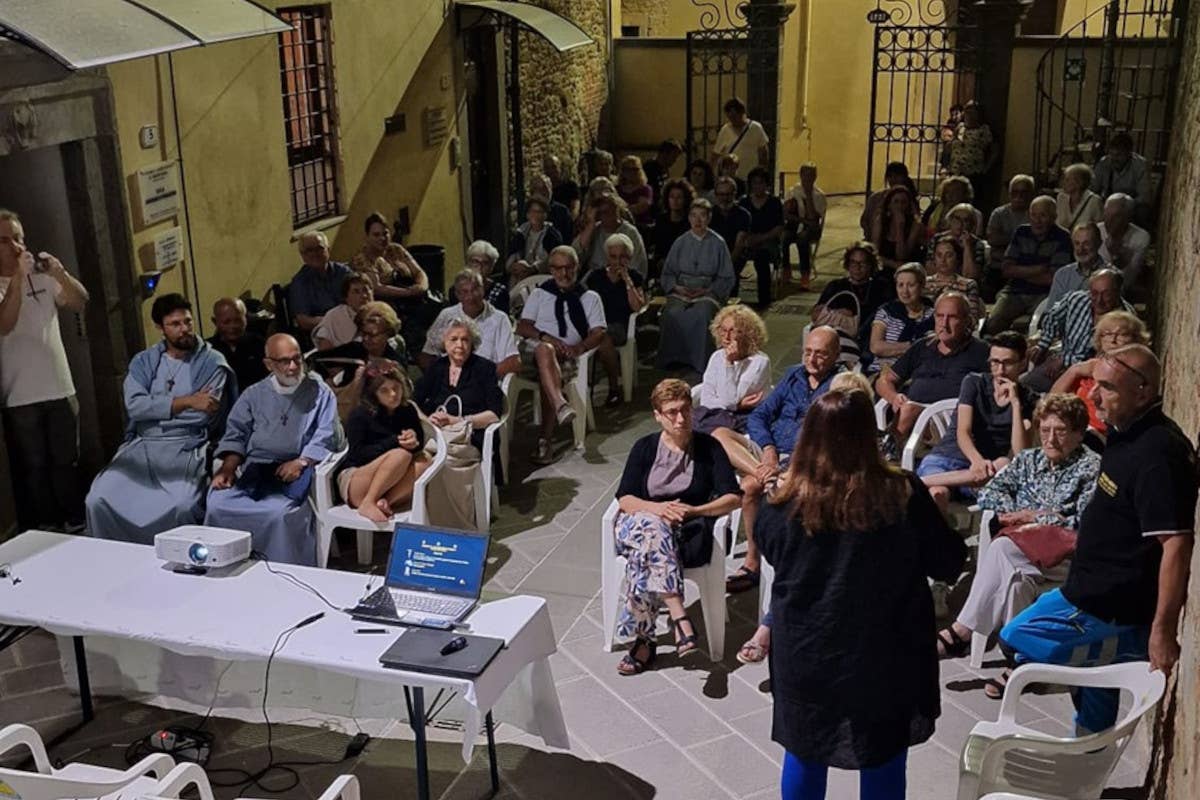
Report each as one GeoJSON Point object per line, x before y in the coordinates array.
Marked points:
{"type": "Point", "coordinates": [487, 133]}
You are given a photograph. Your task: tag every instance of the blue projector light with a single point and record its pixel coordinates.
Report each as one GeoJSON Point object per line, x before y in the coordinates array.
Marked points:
{"type": "Point", "coordinates": [198, 553]}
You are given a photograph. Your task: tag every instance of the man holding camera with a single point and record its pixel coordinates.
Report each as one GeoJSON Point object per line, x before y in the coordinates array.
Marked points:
{"type": "Point", "coordinates": [41, 415]}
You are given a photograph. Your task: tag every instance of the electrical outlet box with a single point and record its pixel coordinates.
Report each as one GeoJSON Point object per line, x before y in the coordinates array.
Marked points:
{"type": "Point", "coordinates": [148, 136]}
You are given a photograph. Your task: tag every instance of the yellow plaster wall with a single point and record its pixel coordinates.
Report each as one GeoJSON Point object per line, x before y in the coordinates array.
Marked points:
{"type": "Point", "coordinates": [233, 144]}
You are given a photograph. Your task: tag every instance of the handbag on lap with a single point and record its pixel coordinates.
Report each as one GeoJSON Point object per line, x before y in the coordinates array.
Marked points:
{"type": "Point", "coordinates": [1046, 546]}
{"type": "Point", "coordinates": [450, 496]}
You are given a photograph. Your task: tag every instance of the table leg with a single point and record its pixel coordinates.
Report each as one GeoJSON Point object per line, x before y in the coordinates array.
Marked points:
{"type": "Point", "coordinates": [85, 688]}
{"type": "Point", "coordinates": [491, 740]}
{"type": "Point", "coordinates": [416, 718]}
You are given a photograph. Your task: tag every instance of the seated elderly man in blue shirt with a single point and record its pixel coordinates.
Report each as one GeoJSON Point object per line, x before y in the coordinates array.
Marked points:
{"type": "Point", "coordinates": [177, 394]}
{"type": "Point", "coordinates": [317, 287]}
{"type": "Point", "coordinates": [278, 431]}
{"type": "Point", "coordinates": [1036, 252]}
{"type": "Point", "coordinates": [773, 428]}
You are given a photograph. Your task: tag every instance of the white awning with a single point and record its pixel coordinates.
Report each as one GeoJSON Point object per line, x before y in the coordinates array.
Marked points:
{"type": "Point", "coordinates": [90, 33]}
{"type": "Point", "coordinates": [559, 31]}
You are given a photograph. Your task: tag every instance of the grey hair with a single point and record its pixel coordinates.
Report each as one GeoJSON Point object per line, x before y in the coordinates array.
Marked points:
{"type": "Point", "coordinates": [15, 221]}
{"type": "Point", "coordinates": [469, 275]}
{"type": "Point", "coordinates": [967, 208]}
{"type": "Point", "coordinates": [564, 250]}
{"type": "Point", "coordinates": [1082, 171]}
{"type": "Point", "coordinates": [1043, 200]}
{"type": "Point", "coordinates": [1022, 180]}
{"type": "Point", "coordinates": [913, 268]}
{"type": "Point", "coordinates": [1126, 202]}
{"type": "Point", "coordinates": [619, 239]}
{"type": "Point", "coordinates": [963, 302]}
{"type": "Point", "coordinates": [309, 235]}
{"type": "Point", "coordinates": [1118, 278]}
{"type": "Point", "coordinates": [482, 247]}
{"type": "Point", "coordinates": [469, 326]}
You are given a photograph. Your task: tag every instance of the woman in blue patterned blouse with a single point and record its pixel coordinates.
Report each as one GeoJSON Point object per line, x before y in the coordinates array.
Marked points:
{"type": "Point", "coordinates": [1047, 485]}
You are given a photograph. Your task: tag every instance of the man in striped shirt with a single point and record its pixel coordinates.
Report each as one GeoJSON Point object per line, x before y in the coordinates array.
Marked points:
{"type": "Point", "coordinates": [1072, 321]}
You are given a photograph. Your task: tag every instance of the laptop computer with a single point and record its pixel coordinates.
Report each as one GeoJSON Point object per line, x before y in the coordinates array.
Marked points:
{"type": "Point", "coordinates": [434, 577]}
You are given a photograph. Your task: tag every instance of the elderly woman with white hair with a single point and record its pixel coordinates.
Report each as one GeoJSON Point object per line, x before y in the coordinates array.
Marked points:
{"type": "Point", "coordinates": [482, 255]}
{"type": "Point", "coordinates": [463, 374]}
{"type": "Point", "coordinates": [621, 293]}
{"type": "Point", "coordinates": [1077, 203]}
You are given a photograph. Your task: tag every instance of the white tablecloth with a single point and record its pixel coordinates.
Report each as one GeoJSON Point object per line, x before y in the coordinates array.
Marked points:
{"type": "Point", "coordinates": [152, 632]}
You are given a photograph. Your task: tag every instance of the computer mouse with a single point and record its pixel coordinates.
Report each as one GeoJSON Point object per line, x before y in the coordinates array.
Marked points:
{"type": "Point", "coordinates": [454, 645]}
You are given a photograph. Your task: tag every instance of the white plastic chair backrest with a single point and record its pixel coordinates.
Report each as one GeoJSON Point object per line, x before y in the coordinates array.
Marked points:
{"type": "Point", "coordinates": [45, 784]}
{"type": "Point", "coordinates": [1035, 320]}
{"type": "Point", "coordinates": [936, 416]}
{"type": "Point", "coordinates": [881, 414]}
{"type": "Point", "coordinates": [1066, 767]}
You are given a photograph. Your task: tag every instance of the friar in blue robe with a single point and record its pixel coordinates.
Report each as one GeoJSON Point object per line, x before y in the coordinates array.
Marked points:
{"type": "Point", "coordinates": [177, 395]}
{"type": "Point", "coordinates": [278, 431]}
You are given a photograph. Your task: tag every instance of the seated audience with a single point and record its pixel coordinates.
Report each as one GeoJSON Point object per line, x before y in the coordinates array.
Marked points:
{"type": "Point", "coordinates": [766, 229]}
{"type": "Point", "coordinates": [1002, 224]}
{"type": "Point", "coordinates": [384, 440]}
{"type": "Point", "coordinates": [897, 232]}
{"type": "Point", "coordinates": [1072, 323]}
{"type": "Point", "coordinates": [482, 257]}
{"type": "Point", "coordinates": [244, 351]}
{"type": "Point", "coordinates": [697, 278]}
{"type": "Point", "coordinates": [1113, 330]}
{"type": "Point", "coordinates": [730, 221]}
{"type": "Point", "coordinates": [600, 164]}
{"type": "Point", "coordinates": [1123, 171]}
{"type": "Point", "coordinates": [672, 220]}
{"type": "Point", "coordinates": [737, 376]}
{"type": "Point", "coordinates": [278, 431]}
{"type": "Point", "coordinates": [963, 222]}
{"type": "Point", "coordinates": [317, 287]}
{"type": "Point", "coordinates": [658, 169]}
{"type": "Point", "coordinates": [870, 289]}
{"type": "Point", "coordinates": [945, 275]}
{"type": "Point", "coordinates": [498, 343]}
{"type": "Point", "coordinates": [557, 214]}
{"type": "Point", "coordinates": [953, 191]}
{"type": "Point", "coordinates": [1122, 243]}
{"type": "Point", "coordinates": [1077, 204]}
{"type": "Point", "coordinates": [563, 189]}
{"type": "Point", "coordinates": [933, 368]}
{"type": "Point", "coordinates": [177, 394]}
{"type": "Point", "coordinates": [1128, 579]}
{"type": "Point", "coordinates": [854, 673]}
{"type": "Point", "coordinates": [700, 177]}
{"type": "Point", "coordinates": [378, 329]}
{"type": "Point", "coordinates": [622, 295]}
{"type": "Point", "coordinates": [634, 188]}
{"type": "Point", "coordinates": [772, 428]}
{"type": "Point", "coordinates": [895, 174]}
{"type": "Point", "coordinates": [532, 242]}
{"type": "Point", "coordinates": [742, 137]}
{"type": "Point", "coordinates": [410, 295]}
{"type": "Point", "coordinates": [1085, 243]}
{"type": "Point", "coordinates": [900, 322]}
{"type": "Point", "coordinates": [604, 218]}
{"type": "Point", "coordinates": [560, 322]}
{"type": "Point", "coordinates": [728, 166]}
{"type": "Point", "coordinates": [804, 215]}
{"type": "Point", "coordinates": [374, 261]}
{"type": "Point", "coordinates": [1035, 253]}
{"type": "Point", "coordinates": [1046, 485]}
{"type": "Point", "coordinates": [989, 426]}
{"type": "Point", "coordinates": [338, 326]}
{"type": "Point", "coordinates": [675, 485]}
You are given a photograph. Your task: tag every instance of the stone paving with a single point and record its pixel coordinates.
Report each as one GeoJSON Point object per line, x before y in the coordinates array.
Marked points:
{"type": "Point", "coordinates": [694, 730]}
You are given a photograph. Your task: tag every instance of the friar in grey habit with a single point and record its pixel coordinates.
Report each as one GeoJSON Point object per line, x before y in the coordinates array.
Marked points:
{"type": "Point", "coordinates": [177, 394]}
{"type": "Point", "coordinates": [279, 430]}
{"type": "Point", "coordinates": [697, 278]}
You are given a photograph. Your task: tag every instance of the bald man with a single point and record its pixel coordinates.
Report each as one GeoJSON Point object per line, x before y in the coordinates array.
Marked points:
{"type": "Point", "coordinates": [278, 430]}
{"type": "Point", "coordinates": [1128, 578]}
{"type": "Point", "coordinates": [1035, 253]}
{"type": "Point", "coordinates": [243, 350]}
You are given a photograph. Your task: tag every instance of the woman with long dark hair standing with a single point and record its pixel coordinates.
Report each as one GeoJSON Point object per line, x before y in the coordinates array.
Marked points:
{"type": "Point", "coordinates": [853, 542]}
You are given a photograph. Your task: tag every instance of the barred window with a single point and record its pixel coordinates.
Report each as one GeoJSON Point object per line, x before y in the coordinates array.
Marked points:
{"type": "Point", "coordinates": [309, 116]}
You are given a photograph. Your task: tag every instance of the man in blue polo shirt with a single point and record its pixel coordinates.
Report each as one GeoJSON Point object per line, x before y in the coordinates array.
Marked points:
{"type": "Point", "coordinates": [1035, 253]}
{"type": "Point", "coordinates": [317, 287]}
{"type": "Point", "coordinates": [773, 428]}
{"type": "Point", "coordinates": [1129, 575]}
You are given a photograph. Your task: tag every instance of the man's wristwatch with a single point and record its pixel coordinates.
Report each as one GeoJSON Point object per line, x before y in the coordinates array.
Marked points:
{"type": "Point", "coordinates": [304, 462]}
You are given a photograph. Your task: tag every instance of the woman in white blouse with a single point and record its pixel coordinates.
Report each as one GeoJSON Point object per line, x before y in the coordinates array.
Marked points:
{"type": "Point", "coordinates": [1077, 203]}
{"type": "Point", "coordinates": [737, 375]}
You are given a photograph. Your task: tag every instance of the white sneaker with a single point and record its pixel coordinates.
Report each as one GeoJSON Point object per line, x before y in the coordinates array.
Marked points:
{"type": "Point", "coordinates": [565, 414]}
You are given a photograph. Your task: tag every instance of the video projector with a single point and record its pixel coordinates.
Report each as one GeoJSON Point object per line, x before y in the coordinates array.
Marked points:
{"type": "Point", "coordinates": [198, 548]}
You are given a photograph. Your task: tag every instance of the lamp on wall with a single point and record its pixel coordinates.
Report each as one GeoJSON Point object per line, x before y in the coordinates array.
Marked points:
{"type": "Point", "coordinates": [148, 282]}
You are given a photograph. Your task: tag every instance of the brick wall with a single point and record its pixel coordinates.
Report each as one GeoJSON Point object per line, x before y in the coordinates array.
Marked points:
{"type": "Point", "coordinates": [1176, 773]}
{"type": "Point", "coordinates": [563, 94]}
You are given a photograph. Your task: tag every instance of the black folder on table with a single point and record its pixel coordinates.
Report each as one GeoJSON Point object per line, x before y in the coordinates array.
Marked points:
{"type": "Point", "coordinates": [420, 650]}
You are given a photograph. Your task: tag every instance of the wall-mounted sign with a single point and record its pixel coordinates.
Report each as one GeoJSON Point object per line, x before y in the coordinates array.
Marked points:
{"type": "Point", "coordinates": [158, 190]}
{"type": "Point", "coordinates": [168, 249]}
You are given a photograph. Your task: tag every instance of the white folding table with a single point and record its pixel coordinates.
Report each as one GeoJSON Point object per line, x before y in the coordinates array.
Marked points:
{"type": "Point", "coordinates": [117, 593]}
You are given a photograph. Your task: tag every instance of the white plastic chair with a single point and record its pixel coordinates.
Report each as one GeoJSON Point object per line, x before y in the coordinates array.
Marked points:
{"type": "Point", "coordinates": [628, 355]}
{"type": "Point", "coordinates": [709, 579]}
{"type": "Point", "coordinates": [492, 435]}
{"type": "Point", "coordinates": [1007, 756]}
{"type": "Point", "coordinates": [332, 514]}
{"type": "Point", "coordinates": [578, 394]}
{"type": "Point", "coordinates": [73, 780]}
{"type": "Point", "coordinates": [881, 414]}
{"type": "Point", "coordinates": [1035, 321]}
{"type": "Point", "coordinates": [935, 417]}
{"type": "Point", "coordinates": [191, 776]}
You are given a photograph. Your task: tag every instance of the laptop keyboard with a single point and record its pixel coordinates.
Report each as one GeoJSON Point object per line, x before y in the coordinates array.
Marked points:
{"type": "Point", "coordinates": [430, 603]}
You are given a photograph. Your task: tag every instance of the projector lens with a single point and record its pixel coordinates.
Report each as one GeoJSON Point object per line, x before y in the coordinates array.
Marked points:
{"type": "Point", "coordinates": [198, 553]}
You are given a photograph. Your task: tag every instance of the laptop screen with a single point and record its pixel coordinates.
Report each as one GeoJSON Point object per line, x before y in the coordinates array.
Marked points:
{"type": "Point", "coordinates": [437, 560]}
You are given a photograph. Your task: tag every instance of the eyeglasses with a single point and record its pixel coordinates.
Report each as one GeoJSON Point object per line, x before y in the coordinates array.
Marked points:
{"type": "Point", "coordinates": [313, 248]}
{"type": "Point", "coordinates": [1002, 362]}
{"type": "Point", "coordinates": [287, 361]}
{"type": "Point", "coordinates": [1112, 336]}
{"type": "Point", "coordinates": [1111, 359]}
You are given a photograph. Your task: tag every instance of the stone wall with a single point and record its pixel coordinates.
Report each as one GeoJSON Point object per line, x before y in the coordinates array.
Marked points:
{"type": "Point", "coordinates": [563, 94]}
{"type": "Point", "coordinates": [652, 16]}
{"type": "Point", "coordinates": [1176, 774]}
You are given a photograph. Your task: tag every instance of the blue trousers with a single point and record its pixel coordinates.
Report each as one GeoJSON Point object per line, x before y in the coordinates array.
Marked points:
{"type": "Point", "coordinates": [805, 780]}
{"type": "Point", "coordinates": [1053, 631]}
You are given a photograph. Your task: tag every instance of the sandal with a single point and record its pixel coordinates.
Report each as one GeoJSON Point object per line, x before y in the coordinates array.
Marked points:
{"type": "Point", "coordinates": [685, 645]}
{"type": "Point", "coordinates": [742, 581]}
{"type": "Point", "coordinates": [752, 652]}
{"type": "Point", "coordinates": [631, 664]}
{"type": "Point", "coordinates": [994, 687]}
{"type": "Point", "coordinates": [952, 645]}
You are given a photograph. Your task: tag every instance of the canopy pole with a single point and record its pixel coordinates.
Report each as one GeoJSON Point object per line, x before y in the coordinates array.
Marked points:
{"type": "Point", "coordinates": [514, 52]}
{"type": "Point", "coordinates": [187, 216]}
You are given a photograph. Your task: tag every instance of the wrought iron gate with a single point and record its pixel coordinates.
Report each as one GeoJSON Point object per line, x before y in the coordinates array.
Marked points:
{"type": "Point", "coordinates": [924, 65]}
{"type": "Point", "coordinates": [718, 68]}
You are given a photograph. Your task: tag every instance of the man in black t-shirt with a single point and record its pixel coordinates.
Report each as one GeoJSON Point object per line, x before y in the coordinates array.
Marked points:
{"type": "Point", "coordinates": [1129, 575]}
{"type": "Point", "coordinates": [244, 351]}
{"type": "Point", "coordinates": [658, 169]}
